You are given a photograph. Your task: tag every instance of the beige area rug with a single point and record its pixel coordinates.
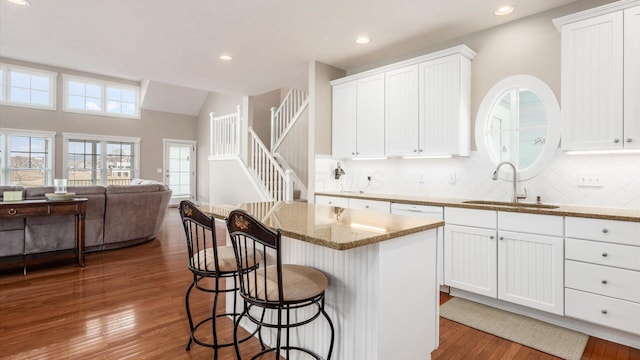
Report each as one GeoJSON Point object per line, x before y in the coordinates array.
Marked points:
{"type": "Point", "coordinates": [548, 338]}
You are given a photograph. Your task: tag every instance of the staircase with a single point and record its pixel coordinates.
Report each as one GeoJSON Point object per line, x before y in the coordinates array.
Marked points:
{"type": "Point", "coordinates": [278, 175]}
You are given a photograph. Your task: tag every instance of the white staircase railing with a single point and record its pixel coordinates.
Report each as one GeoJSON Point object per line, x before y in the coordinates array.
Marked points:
{"type": "Point", "coordinates": [283, 118]}
{"type": "Point", "coordinates": [225, 134]}
{"type": "Point", "coordinates": [277, 182]}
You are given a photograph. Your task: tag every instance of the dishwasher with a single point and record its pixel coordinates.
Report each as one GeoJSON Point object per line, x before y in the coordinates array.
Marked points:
{"type": "Point", "coordinates": [429, 212]}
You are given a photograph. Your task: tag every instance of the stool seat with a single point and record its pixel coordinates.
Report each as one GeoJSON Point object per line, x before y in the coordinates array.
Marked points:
{"type": "Point", "coordinates": [299, 283]}
{"type": "Point", "coordinates": [204, 260]}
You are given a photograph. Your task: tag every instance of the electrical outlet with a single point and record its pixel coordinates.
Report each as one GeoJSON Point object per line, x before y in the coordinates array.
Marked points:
{"type": "Point", "coordinates": [589, 180]}
{"type": "Point", "coordinates": [453, 178]}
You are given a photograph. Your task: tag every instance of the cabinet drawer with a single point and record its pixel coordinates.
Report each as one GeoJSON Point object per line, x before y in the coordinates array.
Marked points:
{"type": "Point", "coordinates": [64, 209]}
{"type": "Point", "coordinates": [417, 208]}
{"type": "Point", "coordinates": [622, 256]}
{"type": "Point", "coordinates": [24, 211]}
{"type": "Point", "coordinates": [332, 201]}
{"type": "Point", "coordinates": [615, 313]}
{"type": "Point", "coordinates": [370, 205]}
{"type": "Point", "coordinates": [531, 223]}
{"type": "Point", "coordinates": [621, 232]}
{"type": "Point", "coordinates": [470, 217]}
{"type": "Point", "coordinates": [604, 280]}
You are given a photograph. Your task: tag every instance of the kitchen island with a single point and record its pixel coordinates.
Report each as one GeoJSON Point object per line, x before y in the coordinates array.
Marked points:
{"type": "Point", "coordinates": [383, 294]}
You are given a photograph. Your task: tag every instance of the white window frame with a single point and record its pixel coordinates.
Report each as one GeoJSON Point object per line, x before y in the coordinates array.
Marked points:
{"type": "Point", "coordinates": [103, 139]}
{"type": "Point", "coordinates": [103, 99]}
{"type": "Point", "coordinates": [5, 133]}
{"type": "Point", "coordinates": [6, 86]}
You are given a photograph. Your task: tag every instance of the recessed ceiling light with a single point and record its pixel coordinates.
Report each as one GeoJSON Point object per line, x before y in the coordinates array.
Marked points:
{"type": "Point", "coordinates": [504, 10]}
{"type": "Point", "coordinates": [225, 57]}
{"type": "Point", "coordinates": [363, 40]}
{"type": "Point", "coordinates": [20, 2]}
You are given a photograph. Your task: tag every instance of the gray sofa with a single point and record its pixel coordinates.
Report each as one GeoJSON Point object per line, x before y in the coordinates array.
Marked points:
{"type": "Point", "coordinates": [117, 216]}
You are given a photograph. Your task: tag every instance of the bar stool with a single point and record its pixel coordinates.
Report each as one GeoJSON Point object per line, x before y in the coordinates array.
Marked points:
{"type": "Point", "coordinates": [209, 261]}
{"type": "Point", "coordinates": [274, 286]}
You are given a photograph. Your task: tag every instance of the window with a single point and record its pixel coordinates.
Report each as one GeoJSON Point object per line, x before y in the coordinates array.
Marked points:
{"type": "Point", "coordinates": [27, 87]}
{"type": "Point", "coordinates": [26, 157]}
{"type": "Point", "coordinates": [101, 97]}
{"type": "Point", "coordinates": [100, 160]}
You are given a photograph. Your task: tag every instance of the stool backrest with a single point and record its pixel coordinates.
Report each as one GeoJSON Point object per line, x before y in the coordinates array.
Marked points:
{"type": "Point", "coordinates": [253, 240]}
{"type": "Point", "coordinates": [200, 233]}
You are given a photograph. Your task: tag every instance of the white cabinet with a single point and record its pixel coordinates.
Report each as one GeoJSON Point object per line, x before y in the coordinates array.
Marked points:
{"type": "Point", "coordinates": [531, 261]}
{"type": "Point", "coordinates": [602, 261]}
{"type": "Point", "coordinates": [344, 120]}
{"type": "Point", "coordinates": [358, 118]}
{"type": "Point", "coordinates": [444, 106]}
{"type": "Point", "coordinates": [353, 203]}
{"type": "Point", "coordinates": [632, 78]}
{"type": "Point", "coordinates": [401, 112]}
{"type": "Point", "coordinates": [417, 107]}
{"type": "Point", "coordinates": [427, 212]}
{"type": "Point", "coordinates": [514, 257]}
{"type": "Point", "coordinates": [600, 80]}
{"type": "Point", "coordinates": [370, 205]}
{"type": "Point", "coordinates": [332, 201]}
{"type": "Point", "coordinates": [470, 255]}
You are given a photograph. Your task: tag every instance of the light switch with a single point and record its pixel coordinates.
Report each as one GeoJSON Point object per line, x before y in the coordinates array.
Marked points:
{"type": "Point", "coordinates": [589, 180]}
{"type": "Point", "coordinates": [159, 170]}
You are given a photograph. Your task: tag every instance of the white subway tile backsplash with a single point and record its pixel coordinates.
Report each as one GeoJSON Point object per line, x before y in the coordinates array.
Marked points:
{"type": "Point", "coordinates": [619, 175]}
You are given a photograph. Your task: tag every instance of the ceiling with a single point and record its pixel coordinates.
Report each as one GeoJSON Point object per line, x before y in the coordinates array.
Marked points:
{"type": "Point", "coordinates": [178, 42]}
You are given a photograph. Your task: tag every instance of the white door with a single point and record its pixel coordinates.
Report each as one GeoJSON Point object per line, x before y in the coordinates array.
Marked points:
{"type": "Point", "coordinates": [180, 169]}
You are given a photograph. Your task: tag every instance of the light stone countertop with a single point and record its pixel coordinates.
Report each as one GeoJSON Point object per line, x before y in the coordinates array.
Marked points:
{"type": "Point", "coordinates": [593, 212]}
{"type": "Point", "coordinates": [328, 226]}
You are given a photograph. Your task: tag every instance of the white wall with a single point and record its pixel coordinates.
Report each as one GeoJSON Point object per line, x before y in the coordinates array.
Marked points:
{"type": "Point", "coordinates": [527, 46]}
{"type": "Point", "coordinates": [220, 105]}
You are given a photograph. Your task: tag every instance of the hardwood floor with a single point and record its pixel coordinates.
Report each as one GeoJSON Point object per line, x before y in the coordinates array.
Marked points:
{"type": "Point", "coordinates": [129, 304]}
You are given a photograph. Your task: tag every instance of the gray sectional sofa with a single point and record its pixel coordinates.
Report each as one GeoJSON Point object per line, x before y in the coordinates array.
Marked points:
{"type": "Point", "coordinates": [117, 216]}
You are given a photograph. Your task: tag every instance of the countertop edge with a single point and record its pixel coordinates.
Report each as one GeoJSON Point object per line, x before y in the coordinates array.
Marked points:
{"type": "Point", "coordinates": [562, 210]}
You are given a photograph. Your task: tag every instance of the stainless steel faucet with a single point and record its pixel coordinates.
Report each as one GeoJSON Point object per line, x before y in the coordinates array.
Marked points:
{"type": "Point", "coordinates": [515, 196]}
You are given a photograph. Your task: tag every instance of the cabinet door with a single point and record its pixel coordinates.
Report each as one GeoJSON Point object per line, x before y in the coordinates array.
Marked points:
{"type": "Point", "coordinates": [444, 106]}
{"type": "Point", "coordinates": [401, 112]}
{"type": "Point", "coordinates": [370, 115]}
{"type": "Point", "coordinates": [592, 85]}
{"type": "Point", "coordinates": [344, 120]}
{"type": "Point", "coordinates": [470, 259]}
{"type": "Point", "coordinates": [530, 271]}
{"type": "Point", "coordinates": [632, 78]}
{"type": "Point", "coordinates": [370, 205]}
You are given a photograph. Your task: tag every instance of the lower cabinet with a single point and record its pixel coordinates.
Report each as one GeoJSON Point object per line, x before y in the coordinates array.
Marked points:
{"type": "Point", "coordinates": [484, 255]}
{"type": "Point", "coordinates": [602, 263]}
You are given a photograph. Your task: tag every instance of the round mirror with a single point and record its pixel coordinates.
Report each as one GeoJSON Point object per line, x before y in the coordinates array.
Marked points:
{"type": "Point", "coordinates": [519, 121]}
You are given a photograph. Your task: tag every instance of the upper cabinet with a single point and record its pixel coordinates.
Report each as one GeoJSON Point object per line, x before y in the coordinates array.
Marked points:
{"type": "Point", "coordinates": [600, 77]}
{"type": "Point", "coordinates": [417, 107]}
{"type": "Point", "coordinates": [358, 118]}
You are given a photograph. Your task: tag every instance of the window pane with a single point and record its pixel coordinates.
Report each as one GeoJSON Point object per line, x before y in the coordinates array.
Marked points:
{"type": "Point", "coordinates": [19, 79]}
{"type": "Point", "coordinates": [27, 177]}
{"type": "Point", "coordinates": [19, 160]}
{"type": "Point", "coordinates": [39, 83]}
{"type": "Point", "coordinates": [38, 144]}
{"type": "Point", "coordinates": [128, 109]}
{"type": "Point", "coordinates": [114, 107]}
{"type": "Point", "coordinates": [20, 95]}
{"type": "Point", "coordinates": [76, 88]}
{"type": "Point", "coordinates": [93, 104]}
{"type": "Point", "coordinates": [40, 97]}
{"type": "Point", "coordinates": [19, 143]}
{"type": "Point", "coordinates": [76, 102]}
{"type": "Point", "coordinates": [129, 96]}
{"type": "Point", "coordinates": [114, 94]}
{"type": "Point", "coordinates": [93, 91]}
{"type": "Point", "coordinates": [127, 149]}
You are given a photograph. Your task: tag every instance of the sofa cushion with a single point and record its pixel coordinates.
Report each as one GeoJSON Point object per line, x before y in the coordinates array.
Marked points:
{"type": "Point", "coordinates": [121, 189]}
{"type": "Point", "coordinates": [37, 192]}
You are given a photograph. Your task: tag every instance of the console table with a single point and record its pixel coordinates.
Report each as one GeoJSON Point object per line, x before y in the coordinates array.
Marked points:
{"type": "Point", "coordinates": [36, 208]}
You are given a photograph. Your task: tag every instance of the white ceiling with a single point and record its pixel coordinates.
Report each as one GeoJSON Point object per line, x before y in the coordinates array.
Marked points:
{"type": "Point", "coordinates": [178, 42]}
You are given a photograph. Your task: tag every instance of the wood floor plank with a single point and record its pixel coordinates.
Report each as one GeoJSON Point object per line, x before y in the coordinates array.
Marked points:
{"type": "Point", "coordinates": [129, 304]}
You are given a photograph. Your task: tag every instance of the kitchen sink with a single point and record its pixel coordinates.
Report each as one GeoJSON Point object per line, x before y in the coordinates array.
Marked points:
{"type": "Point", "coordinates": [511, 204]}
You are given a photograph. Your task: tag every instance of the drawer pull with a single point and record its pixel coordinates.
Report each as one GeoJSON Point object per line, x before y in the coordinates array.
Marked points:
{"type": "Point", "coordinates": [13, 211]}
{"type": "Point", "coordinates": [491, 237]}
{"type": "Point", "coordinates": [604, 311]}
{"type": "Point", "coordinates": [604, 254]}
{"type": "Point", "coordinates": [616, 140]}
{"type": "Point", "coordinates": [604, 231]}
{"type": "Point", "coordinates": [366, 206]}
{"type": "Point", "coordinates": [501, 237]}
{"type": "Point", "coordinates": [604, 282]}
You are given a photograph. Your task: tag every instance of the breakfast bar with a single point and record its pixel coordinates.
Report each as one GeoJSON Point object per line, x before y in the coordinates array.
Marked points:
{"type": "Point", "coordinates": [383, 294]}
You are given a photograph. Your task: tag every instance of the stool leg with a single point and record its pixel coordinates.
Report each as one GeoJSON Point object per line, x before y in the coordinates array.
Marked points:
{"type": "Point", "coordinates": [288, 322]}
{"type": "Point", "coordinates": [186, 302]}
{"type": "Point", "coordinates": [213, 320]}
{"type": "Point", "coordinates": [279, 333]}
{"type": "Point", "coordinates": [332, 329]}
{"type": "Point", "coordinates": [235, 333]}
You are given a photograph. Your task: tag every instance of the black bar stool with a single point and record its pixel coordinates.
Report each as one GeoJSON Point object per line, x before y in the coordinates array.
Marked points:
{"type": "Point", "coordinates": [209, 261]}
{"type": "Point", "coordinates": [273, 286]}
